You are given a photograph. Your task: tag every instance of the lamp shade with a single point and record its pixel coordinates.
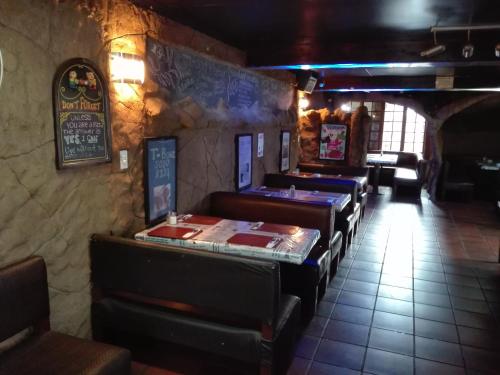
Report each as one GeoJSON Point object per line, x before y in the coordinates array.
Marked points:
{"type": "Point", "coordinates": [126, 68]}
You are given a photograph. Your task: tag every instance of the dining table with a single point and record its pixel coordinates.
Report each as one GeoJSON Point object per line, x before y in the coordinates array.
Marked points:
{"type": "Point", "coordinates": [338, 200]}
{"type": "Point", "coordinates": [361, 181]}
{"type": "Point", "coordinates": [284, 243]}
{"type": "Point", "coordinates": [379, 160]}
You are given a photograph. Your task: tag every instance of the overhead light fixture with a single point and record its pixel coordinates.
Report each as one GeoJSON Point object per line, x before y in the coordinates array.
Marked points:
{"type": "Point", "coordinates": [433, 51]}
{"type": "Point", "coordinates": [468, 49]}
{"type": "Point", "coordinates": [126, 68]}
{"type": "Point", "coordinates": [497, 50]}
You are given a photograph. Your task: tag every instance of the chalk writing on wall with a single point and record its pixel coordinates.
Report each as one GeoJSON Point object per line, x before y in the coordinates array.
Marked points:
{"type": "Point", "coordinates": [81, 115]}
{"type": "Point", "coordinates": [184, 73]}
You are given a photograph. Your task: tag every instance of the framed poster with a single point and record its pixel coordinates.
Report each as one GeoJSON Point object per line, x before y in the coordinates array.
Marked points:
{"type": "Point", "coordinates": [160, 178]}
{"type": "Point", "coordinates": [81, 115]}
{"type": "Point", "coordinates": [333, 142]}
{"type": "Point", "coordinates": [260, 145]}
{"type": "Point", "coordinates": [243, 174]}
{"type": "Point", "coordinates": [284, 151]}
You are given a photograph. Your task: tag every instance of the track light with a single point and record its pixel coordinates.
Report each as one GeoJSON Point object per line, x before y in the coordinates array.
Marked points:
{"type": "Point", "coordinates": [497, 50]}
{"type": "Point", "coordinates": [468, 49]}
{"type": "Point", "coordinates": [436, 50]}
{"type": "Point", "coordinates": [433, 51]}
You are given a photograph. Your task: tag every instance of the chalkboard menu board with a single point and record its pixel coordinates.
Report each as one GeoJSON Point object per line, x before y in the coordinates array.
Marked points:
{"type": "Point", "coordinates": [210, 82]}
{"type": "Point", "coordinates": [160, 178]}
{"type": "Point", "coordinates": [81, 115]}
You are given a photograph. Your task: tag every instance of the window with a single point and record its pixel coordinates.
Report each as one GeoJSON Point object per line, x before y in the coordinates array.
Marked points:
{"type": "Point", "coordinates": [402, 129]}
{"type": "Point", "coordinates": [414, 132]}
{"type": "Point", "coordinates": [393, 127]}
{"type": "Point", "coordinates": [376, 112]}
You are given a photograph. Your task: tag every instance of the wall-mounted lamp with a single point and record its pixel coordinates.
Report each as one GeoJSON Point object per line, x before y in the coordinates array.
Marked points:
{"type": "Point", "coordinates": [497, 50]}
{"type": "Point", "coordinates": [304, 103]}
{"type": "Point", "coordinates": [126, 68]}
{"type": "Point", "coordinates": [345, 107]}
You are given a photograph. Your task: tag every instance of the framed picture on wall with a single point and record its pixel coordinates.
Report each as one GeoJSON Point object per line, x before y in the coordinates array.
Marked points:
{"type": "Point", "coordinates": [333, 142]}
{"type": "Point", "coordinates": [284, 151]}
{"type": "Point", "coordinates": [160, 178]}
{"type": "Point", "coordinates": [243, 173]}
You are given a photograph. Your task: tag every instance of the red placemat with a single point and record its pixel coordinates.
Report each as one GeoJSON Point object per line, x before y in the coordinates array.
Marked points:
{"type": "Point", "coordinates": [278, 228]}
{"type": "Point", "coordinates": [167, 231]}
{"type": "Point", "coordinates": [202, 220]}
{"type": "Point", "coordinates": [249, 239]}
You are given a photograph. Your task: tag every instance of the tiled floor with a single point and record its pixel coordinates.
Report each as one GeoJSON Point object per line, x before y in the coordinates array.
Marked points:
{"type": "Point", "coordinates": [417, 293]}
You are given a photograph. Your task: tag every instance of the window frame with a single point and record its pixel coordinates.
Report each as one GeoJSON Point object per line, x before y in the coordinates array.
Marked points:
{"type": "Point", "coordinates": [403, 128]}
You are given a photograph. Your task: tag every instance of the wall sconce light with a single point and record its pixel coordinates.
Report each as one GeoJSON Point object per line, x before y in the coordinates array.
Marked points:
{"type": "Point", "coordinates": [497, 50]}
{"type": "Point", "coordinates": [126, 68]}
{"type": "Point", "coordinates": [345, 107]}
{"type": "Point", "coordinates": [304, 103]}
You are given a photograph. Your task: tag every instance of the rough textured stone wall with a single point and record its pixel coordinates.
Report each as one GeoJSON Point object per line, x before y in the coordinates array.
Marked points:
{"type": "Point", "coordinates": [360, 132]}
{"type": "Point", "coordinates": [52, 213]}
{"type": "Point", "coordinates": [310, 129]}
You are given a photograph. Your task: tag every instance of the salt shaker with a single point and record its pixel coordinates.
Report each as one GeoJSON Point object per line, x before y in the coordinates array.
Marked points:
{"type": "Point", "coordinates": [292, 191]}
{"type": "Point", "coordinates": [172, 218]}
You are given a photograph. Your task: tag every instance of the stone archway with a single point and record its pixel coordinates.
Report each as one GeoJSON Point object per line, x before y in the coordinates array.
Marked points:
{"type": "Point", "coordinates": [434, 125]}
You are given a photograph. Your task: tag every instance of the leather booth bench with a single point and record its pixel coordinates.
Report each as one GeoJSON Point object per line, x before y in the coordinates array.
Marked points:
{"type": "Point", "coordinates": [345, 170]}
{"type": "Point", "coordinates": [28, 346]}
{"type": "Point", "coordinates": [408, 160]}
{"type": "Point", "coordinates": [347, 220]}
{"type": "Point", "coordinates": [310, 279]}
{"type": "Point", "coordinates": [407, 177]}
{"type": "Point", "coordinates": [226, 305]}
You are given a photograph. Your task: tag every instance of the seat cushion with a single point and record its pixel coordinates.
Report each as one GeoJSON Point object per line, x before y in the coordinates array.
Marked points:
{"type": "Point", "coordinates": [53, 353]}
{"type": "Point", "coordinates": [111, 316]}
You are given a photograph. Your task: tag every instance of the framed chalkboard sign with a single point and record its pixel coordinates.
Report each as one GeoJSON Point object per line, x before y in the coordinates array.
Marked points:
{"type": "Point", "coordinates": [243, 173]}
{"type": "Point", "coordinates": [160, 178]}
{"type": "Point", "coordinates": [284, 151]}
{"type": "Point", "coordinates": [81, 115]}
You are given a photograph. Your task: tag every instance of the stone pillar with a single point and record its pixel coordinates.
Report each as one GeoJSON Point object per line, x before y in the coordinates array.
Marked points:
{"type": "Point", "coordinates": [358, 139]}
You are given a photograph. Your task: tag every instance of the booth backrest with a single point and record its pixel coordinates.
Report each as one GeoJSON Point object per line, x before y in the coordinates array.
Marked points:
{"type": "Point", "coordinates": [248, 207]}
{"type": "Point", "coordinates": [407, 160]}
{"type": "Point", "coordinates": [320, 184]}
{"type": "Point", "coordinates": [333, 169]}
{"type": "Point", "coordinates": [24, 299]}
{"type": "Point", "coordinates": [238, 286]}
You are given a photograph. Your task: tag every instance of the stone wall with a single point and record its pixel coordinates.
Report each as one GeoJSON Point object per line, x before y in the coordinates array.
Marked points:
{"type": "Point", "coordinates": [310, 130]}
{"type": "Point", "coordinates": [52, 213]}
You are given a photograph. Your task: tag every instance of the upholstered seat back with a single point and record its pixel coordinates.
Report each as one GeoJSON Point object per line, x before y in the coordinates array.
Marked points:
{"type": "Point", "coordinates": [226, 284]}
{"type": "Point", "coordinates": [24, 299]}
{"type": "Point", "coordinates": [248, 207]}
{"type": "Point", "coordinates": [333, 169]}
{"type": "Point", "coordinates": [320, 184]}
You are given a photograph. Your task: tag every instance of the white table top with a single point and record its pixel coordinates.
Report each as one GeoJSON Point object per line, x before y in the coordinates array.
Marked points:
{"type": "Point", "coordinates": [384, 159]}
{"type": "Point", "coordinates": [281, 246]}
{"type": "Point", "coordinates": [338, 200]}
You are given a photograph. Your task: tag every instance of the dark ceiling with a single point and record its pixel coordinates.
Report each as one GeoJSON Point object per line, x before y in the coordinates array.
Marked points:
{"type": "Point", "coordinates": [285, 34]}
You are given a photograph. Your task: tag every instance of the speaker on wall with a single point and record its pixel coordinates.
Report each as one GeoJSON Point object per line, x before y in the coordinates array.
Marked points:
{"type": "Point", "coordinates": [306, 80]}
